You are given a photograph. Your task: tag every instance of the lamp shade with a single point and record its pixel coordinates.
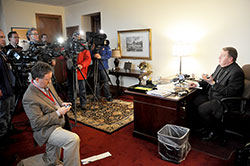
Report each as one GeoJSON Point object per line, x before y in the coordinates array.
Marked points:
{"type": "Point", "coordinates": [116, 53]}
{"type": "Point", "coordinates": [182, 49]}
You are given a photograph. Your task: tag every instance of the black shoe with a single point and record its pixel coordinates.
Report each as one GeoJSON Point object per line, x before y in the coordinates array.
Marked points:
{"type": "Point", "coordinates": [109, 99]}
{"type": "Point", "coordinates": [201, 131]}
{"type": "Point", "coordinates": [211, 136]}
{"type": "Point", "coordinates": [83, 108]}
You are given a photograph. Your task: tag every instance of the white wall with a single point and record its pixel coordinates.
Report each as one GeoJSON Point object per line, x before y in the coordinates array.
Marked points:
{"type": "Point", "coordinates": [23, 14]}
{"type": "Point", "coordinates": [211, 24]}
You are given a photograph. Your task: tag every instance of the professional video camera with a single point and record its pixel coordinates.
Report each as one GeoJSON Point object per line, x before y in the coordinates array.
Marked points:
{"type": "Point", "coordinates": [95, 38]}
{"type": "Point", "coordinates": [72, 47]}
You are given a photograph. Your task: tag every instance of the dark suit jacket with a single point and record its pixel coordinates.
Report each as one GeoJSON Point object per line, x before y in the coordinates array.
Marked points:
{"type": "Point", "coordinates": [5, 78]}
{"type": "Point", "coordinates": [42, 113]}
{"type": "Point", "coordinates": [9, 46]}
{"type": "Point", "coordinates": [229, 84]}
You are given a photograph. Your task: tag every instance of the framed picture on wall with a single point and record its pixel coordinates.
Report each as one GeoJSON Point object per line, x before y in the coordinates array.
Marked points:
{"type": "Point", "coordinates": [21, 31]}
{"type": "Point", "coordinates": [135, 44]}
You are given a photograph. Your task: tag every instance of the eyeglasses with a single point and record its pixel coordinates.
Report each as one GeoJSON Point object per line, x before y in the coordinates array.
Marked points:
{"type": "Point", "coordinates": [46, 79]}
{"type": "Point", "coordinates": [1, 37]}
{"type": "Point", "coordinates": [35, 34]}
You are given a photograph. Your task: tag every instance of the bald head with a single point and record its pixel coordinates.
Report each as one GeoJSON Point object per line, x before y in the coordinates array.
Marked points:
{"type": "Point", "coordinates": [2, 39]}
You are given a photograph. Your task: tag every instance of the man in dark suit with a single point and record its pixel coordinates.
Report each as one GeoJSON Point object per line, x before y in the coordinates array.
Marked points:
{"type": "Point", "coordinates": [13, 42]}
{"type": "Point", "coordinates": [226, 81]}
{"type": "Point", "coordinates": [7, 99]}
{"type": "Point", "coordinates": [46, 113]}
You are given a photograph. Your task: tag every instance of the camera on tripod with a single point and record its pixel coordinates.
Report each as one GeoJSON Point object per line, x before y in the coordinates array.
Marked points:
{"type": "Point", "coordinates": [72, 47]}
{"type": "Point", "coordinates": [97, 39]}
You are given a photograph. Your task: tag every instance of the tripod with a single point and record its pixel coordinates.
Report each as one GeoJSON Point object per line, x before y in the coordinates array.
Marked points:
{"type": "Point", "coordinates": [74, 90]}
{"type": "Point", "coordinates": [96, 69]}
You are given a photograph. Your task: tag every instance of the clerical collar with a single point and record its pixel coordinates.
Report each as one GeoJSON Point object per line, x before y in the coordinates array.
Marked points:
{"type": "Point", "coordinates": [225, 67]}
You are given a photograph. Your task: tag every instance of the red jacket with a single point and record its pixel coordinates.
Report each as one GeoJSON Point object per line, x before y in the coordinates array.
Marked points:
{"type": "Point", "coordinates": [83, 59]}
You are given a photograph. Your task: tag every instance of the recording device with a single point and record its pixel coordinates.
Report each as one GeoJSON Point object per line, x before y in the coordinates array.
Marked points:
{"type": "Point", "coordinates": [73, 46]}
{"type": "Point", "coordinates": [97, 39]}
{"type": "Point", "coordinates": [67, 106]}
{"type": "Point", "coordinates": [23, 61]}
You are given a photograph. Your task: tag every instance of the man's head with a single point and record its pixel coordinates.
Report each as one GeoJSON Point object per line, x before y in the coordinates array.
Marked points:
{"type": "Point", "coordinates": [2, 39]}
{"type": "Point", "coordinates": [32, 35]}
{"type": "Point", "coordinates": [44, 38]}
{"type": "Point", "coordinates": [42, 73]}
{"type": "Point", "coordinates": [228, 56]}
{"type": "Point", "coordinates": [13, 38]}
{"type": "Point", "coordinates": [76, 35]}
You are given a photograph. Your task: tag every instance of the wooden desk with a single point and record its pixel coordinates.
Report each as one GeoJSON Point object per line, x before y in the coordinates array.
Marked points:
{"type": "Point", "coordinates": [151, 113]}
{"type": "Point", "coordinates": [129, 73]}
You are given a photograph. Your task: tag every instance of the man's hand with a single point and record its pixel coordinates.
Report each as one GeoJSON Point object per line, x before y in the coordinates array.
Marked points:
{"type": "Point", "coordinates": [53, 62]}
{"type": "Point", "coordinates": [209, 80]}
{"type": "Point", "coordinates": [79, 66]}
{"type": "Point", "coordinates": [192, 85]}
{"type": "Point", "coordinates": [97, 56]}
{"type": "Point", "coordinates": [66, 103]}
{"type": "Point", "coordinates": [63, 110]}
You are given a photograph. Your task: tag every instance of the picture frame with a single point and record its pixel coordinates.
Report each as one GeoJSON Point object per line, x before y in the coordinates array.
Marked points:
{"type": "Point", "coordinates": [135, 44]}
{"type": "Point", "coordinates": [127, 65]}
{"type": "Point", "coordinates": [21, 31]}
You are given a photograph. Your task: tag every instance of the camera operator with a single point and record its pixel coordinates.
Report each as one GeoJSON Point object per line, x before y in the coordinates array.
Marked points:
{"type": "Point", "coordinates": [13, 42]}
{"type": "Point", "coordinates": [7, 98]}
{"type": "Point", "coordinates": [44, 39]}
{"type": "Point", "coordinates": [83, 62]}
{"type": "Point", "coordinates": [103, 54]}
{"type": "Point", "coordinates": [33, 37]}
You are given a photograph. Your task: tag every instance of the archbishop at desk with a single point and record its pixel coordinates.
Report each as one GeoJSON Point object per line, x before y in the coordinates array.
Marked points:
{"type": "Point", "coordinates": [226, 81]}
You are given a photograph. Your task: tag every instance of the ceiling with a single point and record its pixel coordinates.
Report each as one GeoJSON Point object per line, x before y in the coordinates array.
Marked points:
{"type": "Point", "coordinates": [55, 2]}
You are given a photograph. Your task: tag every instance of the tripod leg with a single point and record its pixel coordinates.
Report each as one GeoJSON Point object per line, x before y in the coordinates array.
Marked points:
{"type": "Point", "coordinates": [87, 84]}
{"type": "Point", "coordinates": [74, 93]}
{"type": "Point", "coordinates": [105, 72]}
{"type": "Point", "coordinates": [96, 77]}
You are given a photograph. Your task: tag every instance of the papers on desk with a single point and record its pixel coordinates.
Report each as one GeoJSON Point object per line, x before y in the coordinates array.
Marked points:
{"type": "Point", "coordinates": [162, 90]}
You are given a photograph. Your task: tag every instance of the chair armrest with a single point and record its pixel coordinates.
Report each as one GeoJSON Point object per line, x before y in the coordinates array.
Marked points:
{"type": "Point", "coordinates": [242, 100]}
{"type": "Point", "coordinates": [225, 99]}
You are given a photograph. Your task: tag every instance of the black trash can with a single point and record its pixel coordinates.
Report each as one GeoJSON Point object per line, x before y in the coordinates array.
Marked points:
{"type": "Point", "coordinates": [173, 143]}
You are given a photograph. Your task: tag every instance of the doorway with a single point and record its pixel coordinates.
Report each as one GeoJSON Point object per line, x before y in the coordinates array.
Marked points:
{"type": "Point", "coordinates": [50, 25]}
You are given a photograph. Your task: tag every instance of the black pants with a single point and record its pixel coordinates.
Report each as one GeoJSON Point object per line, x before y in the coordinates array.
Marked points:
{"type": "Point", "coordinates": [204, 113]}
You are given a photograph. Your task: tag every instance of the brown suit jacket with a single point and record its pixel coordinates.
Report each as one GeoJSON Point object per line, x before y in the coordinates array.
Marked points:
{"type": "Point", "coordinates": [42, 113]}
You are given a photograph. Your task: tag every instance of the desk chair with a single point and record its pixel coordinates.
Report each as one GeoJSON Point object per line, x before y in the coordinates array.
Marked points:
{"type": "Point", "coordinates": [237, 122]}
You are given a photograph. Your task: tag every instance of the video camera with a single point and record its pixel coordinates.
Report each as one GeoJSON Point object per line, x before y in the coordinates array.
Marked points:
{"type": "Point", "coordinates": [23, 61]}
{"type": "Point", "coordinates": [97, 39]}
{"type": "Point", "coordinates": [72, 47]}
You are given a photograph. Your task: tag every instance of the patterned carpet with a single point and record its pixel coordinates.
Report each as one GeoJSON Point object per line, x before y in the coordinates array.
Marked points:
{"type": "Point", "coordinates": [105, 116]}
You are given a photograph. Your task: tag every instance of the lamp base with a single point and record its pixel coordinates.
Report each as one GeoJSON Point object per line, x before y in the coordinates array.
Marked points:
{"type": "Point", "coordinates": [116, 62]}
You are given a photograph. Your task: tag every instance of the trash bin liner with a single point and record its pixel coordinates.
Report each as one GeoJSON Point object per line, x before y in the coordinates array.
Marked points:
{"type": "Point", "coordinates": [173, 143]}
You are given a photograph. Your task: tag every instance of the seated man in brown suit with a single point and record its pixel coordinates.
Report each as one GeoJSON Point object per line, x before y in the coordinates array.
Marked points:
{"type": "Point", "coordinates": [46, 111]}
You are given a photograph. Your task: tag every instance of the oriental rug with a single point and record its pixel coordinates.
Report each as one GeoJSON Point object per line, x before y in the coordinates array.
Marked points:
{"type": "Point", "coordinates": [105, 116]}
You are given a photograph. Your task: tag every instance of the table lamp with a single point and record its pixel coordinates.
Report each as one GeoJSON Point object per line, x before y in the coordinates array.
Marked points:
{"type": "Point", "coordinates": [182, 50]}
{"type": "Point", "coordinates": [116, 54]}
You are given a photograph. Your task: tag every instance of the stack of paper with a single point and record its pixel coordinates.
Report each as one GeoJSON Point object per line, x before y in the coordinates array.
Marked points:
{"type": "Point", "coordinates": [159, 93]}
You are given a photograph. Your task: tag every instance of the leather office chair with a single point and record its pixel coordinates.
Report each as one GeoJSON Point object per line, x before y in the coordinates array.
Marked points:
{"type": "Point", "coordinates": [238, 121]}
